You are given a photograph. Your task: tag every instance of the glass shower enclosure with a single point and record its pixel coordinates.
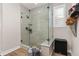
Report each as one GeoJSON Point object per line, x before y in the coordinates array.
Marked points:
{"type": "Point", "coordinates": [36, 25]}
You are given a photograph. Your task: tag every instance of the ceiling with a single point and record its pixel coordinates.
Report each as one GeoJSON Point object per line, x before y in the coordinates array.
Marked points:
{"type": "Point", "coordinates": [32, 5]}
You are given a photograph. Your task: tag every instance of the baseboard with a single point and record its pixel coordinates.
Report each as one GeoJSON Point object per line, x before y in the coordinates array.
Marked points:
{"type": "Point", "coordinates": [10, 50]}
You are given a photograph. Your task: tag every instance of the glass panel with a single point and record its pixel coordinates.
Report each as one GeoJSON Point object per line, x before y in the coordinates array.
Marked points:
{"type": "Point", "coordinates": [39, 17]}
{"type": "Point", "coordinates": [50, 23]}
{"type": "Point", "coordinates": [24, 24]}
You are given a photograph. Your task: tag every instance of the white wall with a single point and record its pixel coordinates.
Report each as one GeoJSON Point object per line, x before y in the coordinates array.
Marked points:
{"type": "Point", "coordinates": [0, 24]}
{"type": "Point", "coordinates": [74, 40]}
{"type": "Point", "coordinates": [75, 49]}
{"type": "Point", "coordinates": [11, 26]}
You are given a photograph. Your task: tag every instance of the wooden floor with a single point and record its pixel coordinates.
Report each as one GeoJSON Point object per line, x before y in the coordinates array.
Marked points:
{"type": "Point", "coordinates": [23, 52]}
{"type": "Point", "coordinates": [18, 52]}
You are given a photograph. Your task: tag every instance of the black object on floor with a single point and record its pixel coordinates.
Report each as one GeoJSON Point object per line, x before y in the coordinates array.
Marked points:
{"type": "Point", "coordinates": [36, 52]}
{"type": "Point", "coordinates": [60, 46]}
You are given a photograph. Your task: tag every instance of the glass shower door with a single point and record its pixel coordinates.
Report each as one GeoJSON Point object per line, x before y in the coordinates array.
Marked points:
{"type": "Point", "coordinates": [24, 23]}
{"type": "Point", "coordinates": [39, 18]}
